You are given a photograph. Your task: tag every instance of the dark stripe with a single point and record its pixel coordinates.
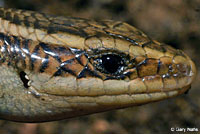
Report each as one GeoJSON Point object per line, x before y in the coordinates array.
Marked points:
{"type": "Point", "coordinates": [87, 72]}
{"type": "Point", "coordinates": [82, 74]}
{"type": "Point", "coordinates": [7, 43]}
{"type": "Point", "coordinates": [83, 33]}
{"type": "Point", "coordinates": [26, 22]}
{"type": "Point", "coordinates": [66, 22]}
{"type": "Point", "coordinates": [35, 52]}
{"type": "Point", "coordinates": [1, 13]}
{"type": "Point", "coordinates": [62, 49]}
{"type": "Point", "coordinates": [12, 46]}
{"type": "Point", "coordinates": [58, 73]}
{"type": "Point", "coordinates": [8, 16]}
{"type": "Point", "coordinates": [63, 69]}
{"type": "Point", "coordinates": [122, 37]}
{"type": "Point", "coordinates": [60, 28]}
{"type": "Point", "coordinates": [22, 55]}
{"type": "Point", "coordinates": [16, 19]}
{"type": "Point", "coordinates": [75, 18]}
{"type": "Point", "coordinates": [66, 70]}
{"type": "Point", "coordinates": [44, 64]}
{"type": "Point", "coordinates": [16, 46]}
{"type": "Point", "coordinates": [7, 38]}
{"type": "Point", "coordinates": [37, 24]}
{"type": "Point", "coordinates": [159, 65]}
{"type": "Point", "coordinates": [17, 43]}
{"type": "Point", "coordinates": [1, 36]}
{"type": "Point", "coordinates": [25, 46]}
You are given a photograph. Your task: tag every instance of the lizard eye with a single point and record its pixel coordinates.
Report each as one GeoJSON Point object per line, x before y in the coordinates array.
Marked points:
{"type": "Point", "coordinates": [110, 63]}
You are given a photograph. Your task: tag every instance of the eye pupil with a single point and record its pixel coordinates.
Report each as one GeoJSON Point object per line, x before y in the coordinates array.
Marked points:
{"type": "Point", "coordinates": [111, 63]}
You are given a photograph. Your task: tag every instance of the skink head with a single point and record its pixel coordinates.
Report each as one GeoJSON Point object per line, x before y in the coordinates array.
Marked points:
{"type": "Point", "coordinates": [100, 78]}
{"type": "Point", "coordinates": [74, 67]}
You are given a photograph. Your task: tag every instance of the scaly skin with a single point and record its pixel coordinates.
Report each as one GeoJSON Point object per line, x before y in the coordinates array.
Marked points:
{"type": "Point", "coordinates": [50, 67]}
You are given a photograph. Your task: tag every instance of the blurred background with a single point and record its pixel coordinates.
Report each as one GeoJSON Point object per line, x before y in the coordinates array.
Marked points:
{"type": "Point", "coordinates": [174, 22]}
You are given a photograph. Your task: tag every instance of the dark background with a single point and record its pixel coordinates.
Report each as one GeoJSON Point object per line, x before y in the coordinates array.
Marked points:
{"type": "Point", "coordinates": [175, 22]}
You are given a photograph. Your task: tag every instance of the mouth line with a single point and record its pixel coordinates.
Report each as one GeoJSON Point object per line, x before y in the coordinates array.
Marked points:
{"type": "Point", "coordinates": [38, 94]}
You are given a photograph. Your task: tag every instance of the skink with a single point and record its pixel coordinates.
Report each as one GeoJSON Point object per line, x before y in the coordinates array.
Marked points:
{"type": "Point", "coordinates": [54, 68]}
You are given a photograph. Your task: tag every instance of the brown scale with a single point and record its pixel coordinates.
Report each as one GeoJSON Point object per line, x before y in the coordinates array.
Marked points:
{"type": "Point", "coordinates": [165, 62]}
{"type": "Point", "coordinates": [52, 64]}
{"type": "Point", "coordinates": [74, 66]}
{"type": "Point", "coordinates": [148, 67]}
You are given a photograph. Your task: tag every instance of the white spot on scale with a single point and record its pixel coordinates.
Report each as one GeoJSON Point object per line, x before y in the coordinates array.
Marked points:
{"type": "Point", "coordinates": [50, 53]}
{"type": "Point", "coordinates": [3, 49]}
{"type": "Point", "coordinates": [25, 50]}
{"type": "Point", "coordinates": [6, 42]}
{"type": "Point", "coordinates": [36, 57]}
{"type": "Point", "coordinates": [17, 49]}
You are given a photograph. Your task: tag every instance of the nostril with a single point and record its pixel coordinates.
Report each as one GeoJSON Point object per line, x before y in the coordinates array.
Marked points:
{"type": "Point", "coordinates": [24, 78]}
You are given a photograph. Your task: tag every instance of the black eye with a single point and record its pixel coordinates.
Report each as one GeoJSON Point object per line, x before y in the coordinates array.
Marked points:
{"type": "Point", "coordinates": [110, 63]}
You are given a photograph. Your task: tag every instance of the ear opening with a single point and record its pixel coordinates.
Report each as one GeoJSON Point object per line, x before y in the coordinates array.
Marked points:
{"type": "Point", "coordinates": [24, 79]}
